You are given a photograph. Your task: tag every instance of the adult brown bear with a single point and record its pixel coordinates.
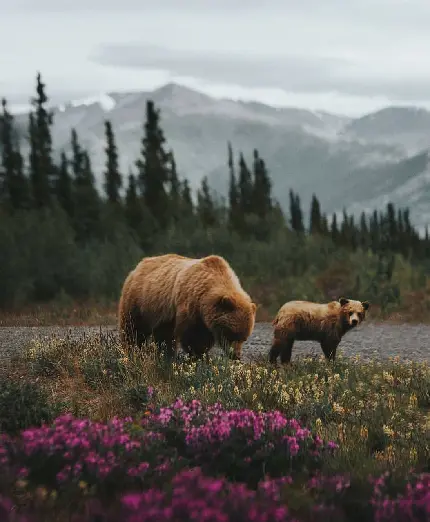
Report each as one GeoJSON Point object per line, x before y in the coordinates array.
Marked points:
{"type": "Point", "coordinates": [190, 302]}
{"type": "Point", "coordinates": [306, 321]}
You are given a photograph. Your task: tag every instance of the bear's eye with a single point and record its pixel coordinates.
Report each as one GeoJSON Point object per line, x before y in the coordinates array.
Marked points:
{"type": "Point", "coordinates": [350, 313]}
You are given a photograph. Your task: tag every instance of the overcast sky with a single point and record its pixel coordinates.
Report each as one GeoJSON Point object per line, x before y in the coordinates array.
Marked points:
{"type": "Point", "coordinates": [345, 56]}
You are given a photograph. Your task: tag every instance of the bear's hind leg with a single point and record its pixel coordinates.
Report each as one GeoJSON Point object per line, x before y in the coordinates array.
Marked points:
{"type": "Point", "coordinates": [164, 338]}
{"type": "Point", "coordinates": [133, 329]}
{"type": "Point", "coordinates": [281, 346]}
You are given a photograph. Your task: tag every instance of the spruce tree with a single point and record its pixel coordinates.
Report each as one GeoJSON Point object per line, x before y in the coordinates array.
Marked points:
{"type": "Point", "coordinates": [296, 215]}
{"type": "Point", "coordinates": [153, 169]}
{"type": "Point", "coordinates": [175, 198]}
{"type": "Point", "coordinates": [113, 178]}
{"type": "Point", "coordinates": [133, 205]}
{"type": "Point", "coordinates": [315, 225]}
{"type": "Point", "coordinates": [233, 193]}
{"type": "Point", "coordinates": [353, 234]}
{"type": "Point", "coordinates": [345, 233]}
{"type": "Point", "coordinates": [261, 190]}
{"type": "Point", "coordinates": [42, 168]}
{"type": "Point", "coordinates": [187, 201]}
{"type": "Point", "coordinates": [325, 231]}
{"type": "Point", "coordinates": [334, 230]}
{"type": "Point", "coordinates": [364, 232]}
{"type": "Point", "coordinates": [206, 209]}
{"type": "Point", "coordinates": [245, 187]}
{"type": "Point", "coordinates": [86, 210]}
{"type": "Point", "coordinates": [14, 184]}
{"type": "Point", "coordinates": [63, 187]}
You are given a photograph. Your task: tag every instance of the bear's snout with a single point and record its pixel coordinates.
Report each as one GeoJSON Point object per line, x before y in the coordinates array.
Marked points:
{"type": "Point", "coordinates": [354, 322]}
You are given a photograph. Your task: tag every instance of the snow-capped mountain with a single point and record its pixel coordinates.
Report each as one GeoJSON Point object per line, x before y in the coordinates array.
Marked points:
{"type": "Point", "coordinates": [359, 163]}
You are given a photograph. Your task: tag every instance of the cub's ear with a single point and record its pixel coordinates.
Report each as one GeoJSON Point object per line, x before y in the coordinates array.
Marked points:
{"type": "Point", "coordinates": [254, 307]}
{"type": "Point", "coordinates": [225, 303]}
{"type": "Point", "coordinates": [366, 305]}
{"type": "Point", "coordinates": [343, 301]}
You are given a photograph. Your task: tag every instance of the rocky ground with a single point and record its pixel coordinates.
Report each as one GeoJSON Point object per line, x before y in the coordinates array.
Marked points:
{"type": "Point", "coordinates": [369, 340]}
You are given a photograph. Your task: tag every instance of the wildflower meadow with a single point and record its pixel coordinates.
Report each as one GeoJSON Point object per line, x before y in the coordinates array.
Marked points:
{"type": "Point", "coordinates": [89, 432]}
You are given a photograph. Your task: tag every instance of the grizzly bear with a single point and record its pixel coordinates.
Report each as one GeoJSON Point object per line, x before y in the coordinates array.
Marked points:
{"type": "Point", "coordinates": [191, 303]}
{"type": "Point", "coordinates": [306, 321]}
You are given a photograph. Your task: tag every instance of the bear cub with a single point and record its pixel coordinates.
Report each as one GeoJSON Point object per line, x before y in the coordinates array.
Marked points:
{"type": "Point", "coordinates": [306, 321]}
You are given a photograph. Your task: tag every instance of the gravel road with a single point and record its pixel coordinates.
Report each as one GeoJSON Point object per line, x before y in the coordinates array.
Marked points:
{"type": "Point", "coordinates": [369, 340]}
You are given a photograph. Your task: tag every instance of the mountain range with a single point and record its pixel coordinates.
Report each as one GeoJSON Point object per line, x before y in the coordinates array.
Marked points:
{"type": "Point", "coordinates": [353, 163]}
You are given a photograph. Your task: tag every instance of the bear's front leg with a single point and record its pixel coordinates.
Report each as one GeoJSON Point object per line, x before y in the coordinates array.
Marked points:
{"type": "Point", "coordinates": [192, 335]}
{"type": "Point", "coordinates": [329, 347]}
{"type": "Point", "coordinates": [236, 352]}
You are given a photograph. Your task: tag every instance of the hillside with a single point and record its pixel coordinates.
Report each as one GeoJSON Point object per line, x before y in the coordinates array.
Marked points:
{"type": "Point", "coordinates": [358, 163]}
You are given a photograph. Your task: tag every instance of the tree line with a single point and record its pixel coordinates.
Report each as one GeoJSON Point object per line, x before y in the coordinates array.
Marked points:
{"type": "Point", "coordinates": [153, 201]}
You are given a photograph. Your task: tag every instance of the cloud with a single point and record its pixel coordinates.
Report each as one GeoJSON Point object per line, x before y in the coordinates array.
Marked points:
{"type": "Point", "coordinates": [401, 80]}
{"type": "Point", "coordinates": [375, 51]}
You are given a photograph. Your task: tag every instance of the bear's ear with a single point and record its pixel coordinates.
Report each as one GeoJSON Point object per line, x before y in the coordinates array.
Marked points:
{"type": "Point", "coordinates": [343, 301]}
{"type": "Point", "coordinates": [254, 307]}
{"type": "Point", "coordinates": [225, 303]}
{"type": "Point", "coordinates": [366, 305]}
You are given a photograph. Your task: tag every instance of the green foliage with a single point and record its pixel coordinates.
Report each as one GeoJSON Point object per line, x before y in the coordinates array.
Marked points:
{"type": "Point", "coordinates": [23, 404]}
{"type": "Point", "coordinates": [206, 210]}
{"type": "Point", "coordinates": [75, 244]}
{"type": "Point", "coordinates": [14, 189]}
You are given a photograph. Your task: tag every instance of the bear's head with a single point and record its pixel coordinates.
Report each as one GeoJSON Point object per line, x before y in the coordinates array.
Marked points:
{"type": "Point", "coordinates": [230, 318]}
{"type": "Point", "coordinates": [353, 312]}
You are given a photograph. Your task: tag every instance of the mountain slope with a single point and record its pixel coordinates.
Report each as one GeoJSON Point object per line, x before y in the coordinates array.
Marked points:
{"type": "Point", "coordinates": [353, 163]}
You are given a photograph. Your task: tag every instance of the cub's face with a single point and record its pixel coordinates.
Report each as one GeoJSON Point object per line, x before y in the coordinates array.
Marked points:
{"type": "Point", "coordinates": [231, 321]}
{"type": "Point", "coordinates": [353, 311]}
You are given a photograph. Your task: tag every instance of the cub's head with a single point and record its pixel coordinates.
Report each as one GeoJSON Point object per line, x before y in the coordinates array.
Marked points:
{"type": "Point", "coordinates": [231, 319]}
{"type": "Point", "coordinates": [354, 312]}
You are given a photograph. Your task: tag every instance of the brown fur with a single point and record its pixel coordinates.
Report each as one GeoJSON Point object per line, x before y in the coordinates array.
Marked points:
{"type": "Point", "coordinates": [306, 321]}
{"type": "Point", "coordinates": [191, 302]}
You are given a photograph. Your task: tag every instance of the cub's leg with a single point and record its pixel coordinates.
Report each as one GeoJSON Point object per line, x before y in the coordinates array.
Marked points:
{"type": "Point", "coordinates": [282, 345]}
{"type": "Point", "coordinates": [286, 351]}
{"type": "Point", "coordinates": [329, 348]}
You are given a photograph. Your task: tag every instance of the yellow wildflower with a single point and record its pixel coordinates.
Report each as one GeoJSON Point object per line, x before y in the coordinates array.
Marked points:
{"type": "Point", "coordinates": [338, 408]}
{"type": "Point", "coordinates": [41, 492]}
{"type": "Point", "coordinates": [388, 431]}
{"type": "Point", "coordinates": [364, 433]}
{"type": "Point", "coordinates": [341, 432]}
{"type": "Point", "coordinates": [388, 377]}
{"type": "Point", "coordinates": [413, 401]}
{"type": "Point", "coordinates": [391, 402]}
{"type": "Point", "coordinates": [389, 452]}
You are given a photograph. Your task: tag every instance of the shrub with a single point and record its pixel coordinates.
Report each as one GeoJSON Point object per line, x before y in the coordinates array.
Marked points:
{"type": "Point", "coordinates": [24, 404]}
